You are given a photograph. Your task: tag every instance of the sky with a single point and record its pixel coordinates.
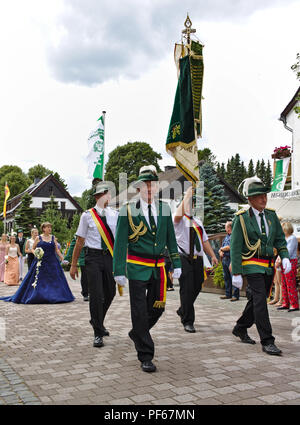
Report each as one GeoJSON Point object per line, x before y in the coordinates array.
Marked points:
{"type": "Point", "coordinates": [63, 62]}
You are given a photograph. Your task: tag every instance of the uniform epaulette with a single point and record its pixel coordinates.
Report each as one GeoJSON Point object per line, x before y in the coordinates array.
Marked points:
{"type": "Point", "coordinates": [270, 209]}
{"type": "Point", "coordinates": [242, 211]}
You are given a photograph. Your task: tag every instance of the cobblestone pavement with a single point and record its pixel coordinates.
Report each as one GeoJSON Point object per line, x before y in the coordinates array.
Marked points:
{"type": "Point", "coordinates": [47, 356]}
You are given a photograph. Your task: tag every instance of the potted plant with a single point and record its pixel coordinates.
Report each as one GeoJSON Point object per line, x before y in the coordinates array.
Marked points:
{"type": "Point", "coordinates": [281, 152]}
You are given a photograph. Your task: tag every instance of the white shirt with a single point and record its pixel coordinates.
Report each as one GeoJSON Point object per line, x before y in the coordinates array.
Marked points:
{"type": "Point", "coordinates": [182, 233]}
{"type": "Point", "coordinates": [144, 207]}
{"type": "Point", "coordinates": [87, 228]}
{"type": "Point", "coordinates": [256, 212]}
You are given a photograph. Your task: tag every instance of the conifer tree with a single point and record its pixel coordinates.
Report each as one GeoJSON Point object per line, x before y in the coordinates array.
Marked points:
{"type": "Point", "coordinates": [216, 210]}
{"type": "Point", "coordinates": [257, 168]}
{"type": "Point", "coordinates": [26, 217]}
{"type": "Point", "coordinates": [59, 224]}
{"type": "Point", "coordinates": [268, 175]}
{"type": "Point", "coordinates": [250, 171]}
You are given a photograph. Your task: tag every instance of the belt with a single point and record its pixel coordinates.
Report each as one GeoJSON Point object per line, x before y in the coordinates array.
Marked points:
{"type": "Point", "coordinates": [96, 251]}
{"type": "Point", "coordinates": [263, 261]}
{"type": "Point", "coordinates": [184, 255]}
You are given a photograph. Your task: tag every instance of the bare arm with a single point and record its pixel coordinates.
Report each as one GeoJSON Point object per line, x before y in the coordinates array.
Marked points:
{"type": "Point", "coordinates": [209, 251]}
{"type": "Point", "coordinates": [77, 250]}
{"type": "Point", "coordinates": [57, 250]}
{"type": "Point", "coordinates": [27, 250]}
{"type": "Point", "coordinates": [19, 252]}
{"type": "Point", "coordinates": [36, 241]}
{"type": "Point", "coordinates": [185, 205]}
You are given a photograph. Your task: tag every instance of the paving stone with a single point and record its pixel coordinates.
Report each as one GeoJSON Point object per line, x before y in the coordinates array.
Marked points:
{"type": "Point", "coordinates": [43, 365]}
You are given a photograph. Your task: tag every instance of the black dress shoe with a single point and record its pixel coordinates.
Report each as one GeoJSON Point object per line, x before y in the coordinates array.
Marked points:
{"type": "Point", "coordinates": [148, 366]}
{"type": "Point", "coordinates": [189, 328]}
{"type": "Point", "coordinates": [105, 332]}
{"type": "Point", "coordinates": [282, 308]}
{"type": "Point", "coordinates": [293, 309]}
{"type": "Point", "coordinates": [244, 337]}
{"type": "Point", "coordinates": [98, 341]}
{"type": "Point", "coordinates": [271, 349]}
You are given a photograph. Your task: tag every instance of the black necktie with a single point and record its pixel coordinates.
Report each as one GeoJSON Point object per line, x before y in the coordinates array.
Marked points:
{"type": "Point", "coordinates": [151, 219]}
{"type": "Point", "coordinates": [262, 226]}
{"type": "Point", "coordinates": [194, 240]}
{"type": "Point", "coordinates": [103, 218]}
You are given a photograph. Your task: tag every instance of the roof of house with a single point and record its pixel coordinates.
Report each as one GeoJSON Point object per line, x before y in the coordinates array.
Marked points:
{"type": "Point", "coordinates": [166, 181]}
{"type": "Point", "coordinates": [289, 106]}
{"type": "Point", "coordinates": [34, 188]}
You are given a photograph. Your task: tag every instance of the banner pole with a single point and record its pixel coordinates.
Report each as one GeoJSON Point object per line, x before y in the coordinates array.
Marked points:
{"type": "Point", "coordinates": [103, 114]}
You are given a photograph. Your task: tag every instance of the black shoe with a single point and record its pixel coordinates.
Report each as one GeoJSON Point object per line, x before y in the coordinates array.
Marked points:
{"type": "Point", "coordinates": [148, 366]}
{"type": "Point", "coordinates": [244, 337]}
{"type": "Point", "coordinates": [271, 349]}
{"type": "Point", "coordinates": [282, 308]}
{"type": "Point", "coordinates": [293, 309]}
{"type": "Point", "coordinates": [189, 328]}
{"type": "Point", "coordinates": [98, 341]}
{"type": "Point", "coordinates": [105, 332]}
{"type": "Point", "coordinates": [85, 298]}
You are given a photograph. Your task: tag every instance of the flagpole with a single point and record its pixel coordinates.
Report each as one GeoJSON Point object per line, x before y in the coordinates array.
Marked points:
{"type": "Point", "coordinates": [103, 114]}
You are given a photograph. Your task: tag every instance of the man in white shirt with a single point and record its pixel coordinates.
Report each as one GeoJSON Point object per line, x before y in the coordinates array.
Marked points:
{"type": "Point", "coordinates": [192, 240]}
{"type": "Point", "coordinates": [96, 233]}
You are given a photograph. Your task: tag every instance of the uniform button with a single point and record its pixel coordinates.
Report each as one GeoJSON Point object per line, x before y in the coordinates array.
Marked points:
{"type": "Point", "coordinates": [153, 233]}
{"type": "Point", "coordinates": [155, 244]}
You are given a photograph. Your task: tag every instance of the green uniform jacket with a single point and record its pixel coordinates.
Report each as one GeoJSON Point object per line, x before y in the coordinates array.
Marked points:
{"type": "Point", "coordinates": [149, 244]}
{"type": "Point", "coordinates": [276, 239]}
{"type": "Point", "coordinates": [68, 256]}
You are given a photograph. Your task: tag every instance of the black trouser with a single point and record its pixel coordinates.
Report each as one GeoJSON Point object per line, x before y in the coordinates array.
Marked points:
{"type": "Point", "coordinates": [190, 283]}
{"type": "Point", "coordinates": [101, 286]}
{"type": "Point", "coordinates": [256, 310]}
{"type": "Point", "coordinates": [84, 282]}
{"type": "Point", "coordinates": [143, 294]}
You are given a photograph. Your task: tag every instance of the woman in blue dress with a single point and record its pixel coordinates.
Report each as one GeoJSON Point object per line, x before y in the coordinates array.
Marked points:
{"type": "Point", "coordinates": [45, 282]}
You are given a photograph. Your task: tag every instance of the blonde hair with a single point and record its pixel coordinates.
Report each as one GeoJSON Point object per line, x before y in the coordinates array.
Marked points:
{"type": "Point", "coordinates": [287, 227]}
{"type": "Point", "coordinates": [33, 229]}
{"type": "Point", "coordinates": [46, 223]}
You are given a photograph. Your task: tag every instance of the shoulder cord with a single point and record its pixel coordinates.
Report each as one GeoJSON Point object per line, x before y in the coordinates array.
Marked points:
{"type": "Point", "coordinates": [138, 231]}
{"type": "Point", "coordinates": [252, 248]}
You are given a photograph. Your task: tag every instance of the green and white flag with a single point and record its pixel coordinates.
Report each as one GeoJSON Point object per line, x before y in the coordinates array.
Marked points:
{"type": "Point", "coordinates": [281, 171]}
{"type": "Point", "coordinates": [95, 157]}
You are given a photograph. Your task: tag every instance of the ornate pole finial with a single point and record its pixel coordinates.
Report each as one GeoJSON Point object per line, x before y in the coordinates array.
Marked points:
{"type": "Point", "coordinates": [188, 29]}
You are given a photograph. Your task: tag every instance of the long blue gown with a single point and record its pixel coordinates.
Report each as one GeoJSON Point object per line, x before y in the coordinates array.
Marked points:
{"type": "Point", "coordinates": [51, 286]}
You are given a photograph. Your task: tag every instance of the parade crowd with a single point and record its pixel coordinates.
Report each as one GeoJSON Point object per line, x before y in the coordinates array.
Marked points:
{"type": "Point", "coordinates": [145, 246]}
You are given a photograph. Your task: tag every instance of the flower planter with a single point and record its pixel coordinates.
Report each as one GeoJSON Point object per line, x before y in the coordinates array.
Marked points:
{"type": "Point", "coordinates": [208, 286]}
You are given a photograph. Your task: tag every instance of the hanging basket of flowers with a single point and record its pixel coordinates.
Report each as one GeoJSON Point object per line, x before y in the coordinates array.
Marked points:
{"type": "Point", "coordinates": [281, 152]}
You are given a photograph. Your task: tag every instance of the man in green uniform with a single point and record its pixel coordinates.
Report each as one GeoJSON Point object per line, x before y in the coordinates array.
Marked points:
{"type": "Point", "coordinates": [255, 234]}
{"type": "Point", "coordinates": [144, 230]}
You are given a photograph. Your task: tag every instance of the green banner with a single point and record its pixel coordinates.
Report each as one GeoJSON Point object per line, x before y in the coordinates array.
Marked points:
{"type": "Point", "coordinates": [281, 170]}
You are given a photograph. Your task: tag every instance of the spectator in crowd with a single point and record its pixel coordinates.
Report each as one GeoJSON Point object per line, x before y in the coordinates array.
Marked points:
{"type": "Point", "coordinates": [20, 240]}
{"type": "Point", "coordinates": [3, 245]}
{"type": "Point", "coordinates": [11, 274]}
{"type": "Point", "coordinates": [224, 253]}
{"type": "Point", "coordinates": [290, 300]}
{"type": "Point", "coordinates": [29, 246]}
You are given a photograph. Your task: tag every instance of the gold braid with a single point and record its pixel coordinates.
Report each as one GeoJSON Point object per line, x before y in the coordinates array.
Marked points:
{"type": "Point", "coordinates": [252, 248]}
{"type": "Point", "coordinates": [138, 231]}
